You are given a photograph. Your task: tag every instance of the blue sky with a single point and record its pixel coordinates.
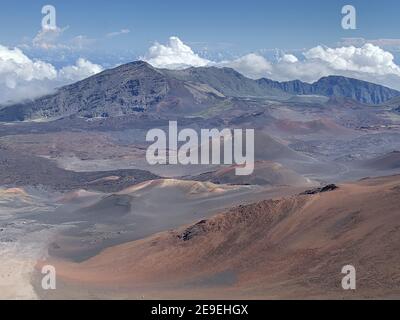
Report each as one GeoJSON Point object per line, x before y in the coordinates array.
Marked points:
{"type": "Point", "coordinates": [233, 26]}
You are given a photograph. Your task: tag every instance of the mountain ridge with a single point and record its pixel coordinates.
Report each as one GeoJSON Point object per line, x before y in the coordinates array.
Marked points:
{"type": "Point", "coordinates": [339, 87]}
{"type": "Point", "coordinates": [138, 87]}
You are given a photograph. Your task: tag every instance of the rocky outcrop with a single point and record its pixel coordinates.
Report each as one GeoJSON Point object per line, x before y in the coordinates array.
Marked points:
{"type": "Point", "coordinates": [328, 188]}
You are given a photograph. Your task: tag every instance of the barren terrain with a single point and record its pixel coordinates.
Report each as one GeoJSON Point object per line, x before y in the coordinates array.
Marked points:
{"type": "Point", "coordinates": [283, 248]}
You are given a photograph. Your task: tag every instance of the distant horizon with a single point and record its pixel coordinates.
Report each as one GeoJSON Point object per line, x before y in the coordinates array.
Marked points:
{"type": "Point", "coordinates": [333, 76]}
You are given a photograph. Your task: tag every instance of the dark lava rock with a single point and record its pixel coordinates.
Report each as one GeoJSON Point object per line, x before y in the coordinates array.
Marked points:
{"type": "Point", "coordinates": [193, 231]}
{"type": "Point", "coordinates": [328, 188]}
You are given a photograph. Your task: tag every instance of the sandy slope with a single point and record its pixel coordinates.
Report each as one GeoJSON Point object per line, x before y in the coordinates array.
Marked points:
{"type": "Point", "coordinates": [142, 210]}
{"type": "Point", "coordinates": [22, 241]}
{"type": "Point", "coordinates": [287, 248]}
{"type": "Point", "coordinates": [265, 173]}
{"type": "Point", "coordinates": [385, 162]}
{"type": "Point", "coordinates": [15, 274]}
{"type": "Point", "coordinates": [18, 260]}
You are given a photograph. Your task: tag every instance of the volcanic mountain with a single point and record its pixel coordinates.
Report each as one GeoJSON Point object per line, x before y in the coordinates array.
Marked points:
{"type": "Point", "coordinates": [127, 89]}
{"type": "Point", "coordinates": [338, 87]}
{"type": "Point", "coordinates": [138, 87]}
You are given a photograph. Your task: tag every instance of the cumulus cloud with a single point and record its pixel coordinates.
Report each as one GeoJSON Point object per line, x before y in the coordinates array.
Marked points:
{"type": "Point", "coordinates": [369, 59]}
{"type": "Point", "coordinates": [178, 55]}
{"type": "Point", "coordinates": [15, 66]}
{"type": "Point", "coordinates": [82, 69]}
{"type": "Point", "coordinates": [289, 58]}
{"type": "Point", "coordinates": [252, 65]}
{"type": "Point", "coordinates": [23, 78]}
{"type": "Point", "coordinates": [367, 62]}
{"type": "Point", "coordinates": [174, 55]}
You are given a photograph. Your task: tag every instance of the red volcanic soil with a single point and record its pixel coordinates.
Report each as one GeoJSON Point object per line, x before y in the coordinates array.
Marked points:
{"type": "Point", "coordinates": [293, 247]}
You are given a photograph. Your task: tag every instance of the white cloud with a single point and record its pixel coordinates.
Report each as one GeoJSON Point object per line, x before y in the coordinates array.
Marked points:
{"type": "Point", "coordinates": [53, 39]}
{"type": "Point", "coordinates": [23, 78]}
{"type": "Point", "coordinates": [118, 33]}
{"type": "Point", "coordinates": [368, 58]}
{"type": "Point", "coordinates": [386, 43]}
{"type": "Point", "coordinates": [289, 58]}
{"type": "Point", "coordinates": [177, 55]}
{"type": "Point", "coordinates": [81, 70]}
{"type": "Point", "coordinates": [367, 62]}
{"type": "Point", "coordinates": [174, 55]}
{"type": "Point", "coordinates": [15, 67]}
{"type": "Point", "coordinates": [252, 65]}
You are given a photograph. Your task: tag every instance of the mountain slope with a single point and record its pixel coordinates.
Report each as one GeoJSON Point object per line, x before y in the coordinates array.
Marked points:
{"type": "Point", "coordinates": [385, 162]}
{"type": "Point", "coordinates": [395, 103]}
{"type": "Point", "coordinates": [336, 86]}
{"type": "Point", "coordinates": [137, 87]}
{"type": "Point", "coordinates": [128, 89]}
{"type": "Point", "coordinates": [276, 249]}
{"type": "Point", "coordinates": [227, 81]}
{"type": "Point", "coordinates": [266, 173]}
